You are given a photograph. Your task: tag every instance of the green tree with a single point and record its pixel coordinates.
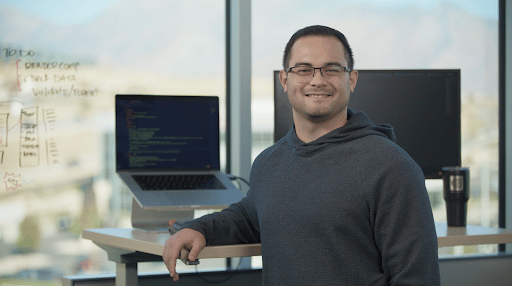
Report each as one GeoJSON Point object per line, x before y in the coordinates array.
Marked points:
{"type": "Point", "coordinates": [30, 235]}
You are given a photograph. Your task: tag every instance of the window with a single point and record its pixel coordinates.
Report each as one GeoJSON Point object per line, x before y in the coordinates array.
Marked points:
{"type": "Point", "coordinates": [402, 35]}
{"type": "Point", "coordinates": [61, 64]}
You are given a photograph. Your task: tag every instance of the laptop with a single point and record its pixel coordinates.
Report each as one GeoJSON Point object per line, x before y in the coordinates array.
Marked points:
{"type": "Point", "coordinates": [167, 152]}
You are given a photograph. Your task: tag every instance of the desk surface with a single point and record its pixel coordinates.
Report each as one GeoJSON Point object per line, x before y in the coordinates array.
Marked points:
{"type": "Point", "coordinates": [471, 235]}
{"type": "Point", "coordinates": [153, 243]}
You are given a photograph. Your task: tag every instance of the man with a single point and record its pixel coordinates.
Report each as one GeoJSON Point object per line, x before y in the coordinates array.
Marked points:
{"type": "Point", "coordinates": [336, 201]}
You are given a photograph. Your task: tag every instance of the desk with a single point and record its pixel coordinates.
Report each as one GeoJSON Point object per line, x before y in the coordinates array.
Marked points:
{"type": "Point", "coordinates": [471, 235]}
{"type": "Point", "coordinates": [129, 246]}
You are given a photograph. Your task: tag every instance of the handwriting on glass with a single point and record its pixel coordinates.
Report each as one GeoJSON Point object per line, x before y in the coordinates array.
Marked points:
{"type": "Point", "coordinates": [29, 138]}
{"type": "Point", "coordinates": [3, 129]}
{"type": "Point", "coordinates": [46, 78]}
{"type": "Point", "coordinates": [12, 181]}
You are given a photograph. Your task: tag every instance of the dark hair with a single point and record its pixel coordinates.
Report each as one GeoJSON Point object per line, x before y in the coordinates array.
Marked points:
{"type": "Point", "coordinates": [318, 30]}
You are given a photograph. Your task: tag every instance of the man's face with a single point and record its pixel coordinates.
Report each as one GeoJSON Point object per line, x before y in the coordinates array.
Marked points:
{"type": "Point", "coordinates": [317, 98]}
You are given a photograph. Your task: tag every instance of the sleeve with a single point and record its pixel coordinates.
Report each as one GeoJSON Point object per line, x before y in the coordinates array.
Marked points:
{"type": "Point", "coordinates": [237, 224]}
{"type": "Point", "coordinates": [404, 226]}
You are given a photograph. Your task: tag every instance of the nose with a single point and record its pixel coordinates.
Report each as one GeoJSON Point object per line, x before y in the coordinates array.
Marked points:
{"type": "Point", "coordinates": [318, 78]}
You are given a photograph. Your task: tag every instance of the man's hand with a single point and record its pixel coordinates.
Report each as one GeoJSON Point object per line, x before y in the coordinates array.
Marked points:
{"type": "Point", "coordinates": [186, 238]}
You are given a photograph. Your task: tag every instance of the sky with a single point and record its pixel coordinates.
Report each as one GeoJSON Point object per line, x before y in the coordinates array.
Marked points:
{"type": "Point", "coordinates": [484, 8]}
{"type": "Point", "coordinates": [72, 12]}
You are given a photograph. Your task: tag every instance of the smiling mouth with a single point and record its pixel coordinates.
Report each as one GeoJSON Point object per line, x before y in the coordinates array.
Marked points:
{"type": "Point", "coordinates": [318, 95]}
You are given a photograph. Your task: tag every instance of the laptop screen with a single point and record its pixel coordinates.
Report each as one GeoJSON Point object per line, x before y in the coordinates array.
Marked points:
{"type": "Point", "coordinates": [167, 132]}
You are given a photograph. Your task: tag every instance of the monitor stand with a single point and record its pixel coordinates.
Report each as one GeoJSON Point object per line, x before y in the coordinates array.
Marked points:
{"type": "Point", "coordinates": [156, 221]}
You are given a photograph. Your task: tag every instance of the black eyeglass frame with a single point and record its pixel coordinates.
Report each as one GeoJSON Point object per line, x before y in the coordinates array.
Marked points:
{"type": "Point", "coordinates": [346, 69]}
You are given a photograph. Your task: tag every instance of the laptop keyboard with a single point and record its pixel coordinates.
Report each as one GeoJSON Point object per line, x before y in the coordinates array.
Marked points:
{"type": "Point", "coordinates": [178, 182]}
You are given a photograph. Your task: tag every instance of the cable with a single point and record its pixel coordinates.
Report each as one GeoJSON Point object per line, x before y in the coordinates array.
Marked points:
{"type": "Point", "coordinates": [232, 274]}
{"type": "Point", "coordinates": [235, 178]}
{"type": "Point", "coordinates": [243, 180]}
{"type": "Point", "coordinates": [238, 183]}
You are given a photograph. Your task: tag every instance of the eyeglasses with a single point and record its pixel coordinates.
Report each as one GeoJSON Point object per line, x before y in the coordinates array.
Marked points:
{"type": "Point", "coordinates": [307, 72]}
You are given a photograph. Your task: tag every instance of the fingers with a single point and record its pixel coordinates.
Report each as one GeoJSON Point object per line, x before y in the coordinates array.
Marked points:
{"type": "Point", "coordinates": [175, 276]}
{"type": "Point", "coordinates": [183, 239]}
{"type": "Point", "coordinates": [194, 251]}
{"type": "Point", "coordinates": [170, 255]}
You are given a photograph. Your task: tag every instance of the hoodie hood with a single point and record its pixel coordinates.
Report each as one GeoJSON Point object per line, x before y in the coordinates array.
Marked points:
{"type": "Point", "coordinates": [358, 125]}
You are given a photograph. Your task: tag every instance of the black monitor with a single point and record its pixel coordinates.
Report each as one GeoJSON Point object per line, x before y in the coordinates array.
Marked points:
{"type": "Point", "coordinates": [423, 106]}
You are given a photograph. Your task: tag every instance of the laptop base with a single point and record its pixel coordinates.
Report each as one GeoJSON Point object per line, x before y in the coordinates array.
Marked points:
{"type": "Point", "coordinates": [156, 221]}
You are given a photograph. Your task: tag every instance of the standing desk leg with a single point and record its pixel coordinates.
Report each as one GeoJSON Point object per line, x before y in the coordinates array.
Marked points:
{"type": "Point", "coordinates": [126, 274]}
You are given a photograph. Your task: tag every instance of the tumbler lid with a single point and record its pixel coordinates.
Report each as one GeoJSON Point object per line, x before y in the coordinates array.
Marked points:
{"type": "Point", "coordinates": [455, 169]}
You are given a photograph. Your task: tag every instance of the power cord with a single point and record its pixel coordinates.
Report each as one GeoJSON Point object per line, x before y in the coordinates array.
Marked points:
{"type": "Point", "coordinates": [231, 275]}
{"type": "Point", "coordinates": [238, 179]}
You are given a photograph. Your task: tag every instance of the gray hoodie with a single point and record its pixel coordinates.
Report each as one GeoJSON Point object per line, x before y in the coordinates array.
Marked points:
{"type": "Point", "coordinates": [349, 208]}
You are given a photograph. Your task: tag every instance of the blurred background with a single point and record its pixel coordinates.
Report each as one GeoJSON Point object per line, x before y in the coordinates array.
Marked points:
{"type": "Point", "coordinates": [62, 62]}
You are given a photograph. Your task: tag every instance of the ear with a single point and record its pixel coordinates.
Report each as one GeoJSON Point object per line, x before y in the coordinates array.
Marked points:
{"type": "Point", "coordinates": [283, 78]}
{"type": "Point", "coordinates": [353, 80]}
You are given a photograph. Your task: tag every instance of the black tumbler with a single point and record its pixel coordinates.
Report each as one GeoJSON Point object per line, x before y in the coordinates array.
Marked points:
{"type": "Point", "coordinates": [456, 194]}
